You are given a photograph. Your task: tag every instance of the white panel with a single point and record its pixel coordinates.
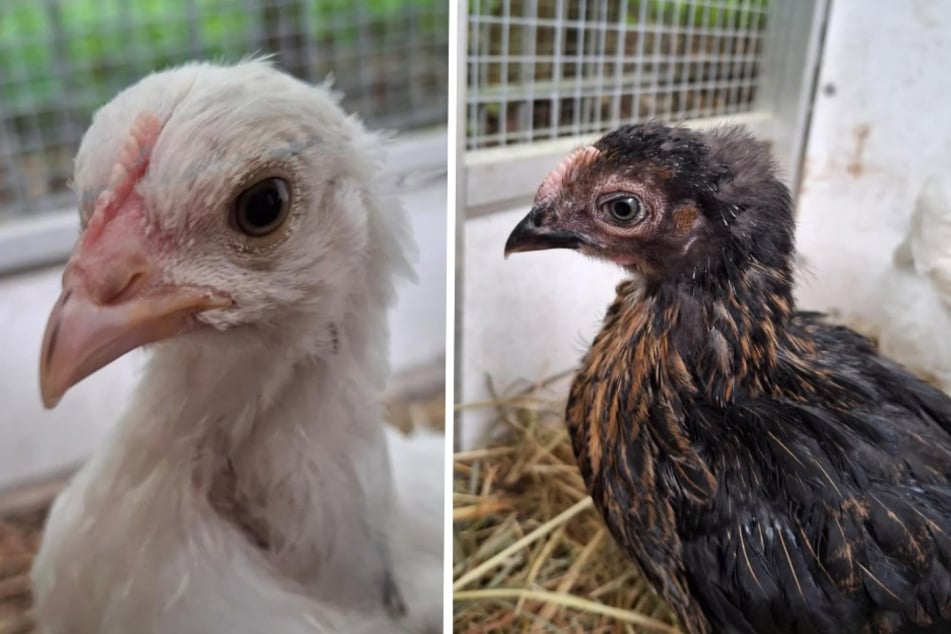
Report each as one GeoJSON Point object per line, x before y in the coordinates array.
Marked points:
{"type": "Point", "coordinates": [879, 128]}
{"type": "Point", "coordinates": [527, 317]}
{"type": "Point", "coordinates": [33, 441]}
{"type": "Point", "coordinates": [418, 323]}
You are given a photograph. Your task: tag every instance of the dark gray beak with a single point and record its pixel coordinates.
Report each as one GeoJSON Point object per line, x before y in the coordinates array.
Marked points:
{"type": "Point", "coordinates": [534, 234]}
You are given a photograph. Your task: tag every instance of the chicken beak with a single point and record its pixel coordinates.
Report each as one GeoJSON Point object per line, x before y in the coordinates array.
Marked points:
{"type": "Point", "coordinates": [84, 334]}
{"type": "Point", "coordinates": [536, 232]}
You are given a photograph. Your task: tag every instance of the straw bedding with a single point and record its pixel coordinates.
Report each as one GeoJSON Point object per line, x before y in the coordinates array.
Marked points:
{"type": "Point", "coordinates": [530, 551]}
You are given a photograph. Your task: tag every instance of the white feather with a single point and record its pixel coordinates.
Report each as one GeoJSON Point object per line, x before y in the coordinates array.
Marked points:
{"type": "Point", "coordinates": [281, 389]}
{"type": "Point", "coordinates": [916, 317]}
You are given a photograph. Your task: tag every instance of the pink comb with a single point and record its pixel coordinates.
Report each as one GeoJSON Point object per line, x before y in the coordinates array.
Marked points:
{"type": "Point", "coordinates": [557, 178]}
{"type": "Point", "coordinates": [132, 163]}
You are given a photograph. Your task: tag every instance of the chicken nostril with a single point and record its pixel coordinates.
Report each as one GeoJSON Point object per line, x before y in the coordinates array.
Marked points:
{"type": "Point", "coordinates": [117, 285]}
{"type": "Point", "coordinates": [134, 281]}
{"type": "Point", "coordinates": [132, 284]}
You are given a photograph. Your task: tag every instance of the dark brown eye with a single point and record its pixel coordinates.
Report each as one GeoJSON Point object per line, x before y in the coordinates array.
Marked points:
{"type": "Point", "coordinates": [262, 208]}
{"type": "Point", "coordinates": [623, 210]}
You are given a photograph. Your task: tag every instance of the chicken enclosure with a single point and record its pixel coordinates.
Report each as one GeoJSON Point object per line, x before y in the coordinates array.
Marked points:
{"type": "Point", "coordinates": [852, 126]}
{"type": "Point", "coordinates": [217, 361]}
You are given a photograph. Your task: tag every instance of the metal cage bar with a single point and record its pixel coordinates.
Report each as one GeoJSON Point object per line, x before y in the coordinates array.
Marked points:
{"type": "Point", "coordinates": [598, 65]}
{"type": "Point", "coordinates": [585, 66]}
{"type": "Point", "coordinates": [62, 59]}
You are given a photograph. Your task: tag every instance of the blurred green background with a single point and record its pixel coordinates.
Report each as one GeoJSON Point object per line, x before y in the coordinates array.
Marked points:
{"type": "Point", "coordinates": [39, 42]}
{"type": "Point", "coordinates": [62, 59]}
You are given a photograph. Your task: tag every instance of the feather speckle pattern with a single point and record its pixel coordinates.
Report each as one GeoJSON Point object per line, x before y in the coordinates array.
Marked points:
{"type": "Point", "coordinates": [766, 471]}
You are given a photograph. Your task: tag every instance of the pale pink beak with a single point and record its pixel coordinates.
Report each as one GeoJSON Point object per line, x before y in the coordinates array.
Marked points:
{"type": "Point", "coordinates": [113, 301]}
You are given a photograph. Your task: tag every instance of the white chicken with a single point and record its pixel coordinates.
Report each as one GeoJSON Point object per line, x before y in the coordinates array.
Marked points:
{"type": "Point", "coordinates": [915, 321]}
{"type": "Point", "coordinates": [234, 216]}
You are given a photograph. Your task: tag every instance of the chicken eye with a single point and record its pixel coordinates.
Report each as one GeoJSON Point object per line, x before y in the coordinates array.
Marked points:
{"type": "Point", "coordinates": [262, 208]}
{"type": "Point", "coordinates": [623, 210]}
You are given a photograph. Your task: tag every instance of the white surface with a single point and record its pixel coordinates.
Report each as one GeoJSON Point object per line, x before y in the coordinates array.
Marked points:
{"type": "Point", "coordinates": [890, 71]}
{"type": "Point", "coordinates": [527, 317]}
{"type": "Point", "coordinates": [34, 442]}
{"type": "Point", "coordinates": [418, 323]}
{"type": "Point", "coordinates": [32, 242]}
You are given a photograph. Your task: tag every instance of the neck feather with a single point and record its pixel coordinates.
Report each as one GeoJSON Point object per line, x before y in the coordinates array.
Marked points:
{"type": "Point", "coordinates": [726, 329]}
{"type": "Point", "coordinates": [660, 348]}
{"type": "Point", "coordinates": [205, 396]}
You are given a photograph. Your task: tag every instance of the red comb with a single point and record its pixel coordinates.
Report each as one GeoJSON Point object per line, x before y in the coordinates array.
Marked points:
{"type": "Point", "coordinates": [557, 178]}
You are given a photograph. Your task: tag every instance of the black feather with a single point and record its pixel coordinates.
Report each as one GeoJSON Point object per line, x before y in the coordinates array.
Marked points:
{"type": "Point", "coordinates": [766, 471]}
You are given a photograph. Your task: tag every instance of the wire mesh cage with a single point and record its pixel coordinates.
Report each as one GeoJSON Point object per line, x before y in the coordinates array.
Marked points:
{"type": "Point", "coordinates": [544, 69]}
{"type": "Point", "coordinates": [62, 59]}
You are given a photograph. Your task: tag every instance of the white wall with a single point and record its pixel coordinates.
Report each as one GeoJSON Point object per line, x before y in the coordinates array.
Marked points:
{"type": "Point", "coordinates": [881, 124]}
{"type": "Point", "coordinates": [525, 318]}
{"type": "Point", "coordinates": [35, 442]}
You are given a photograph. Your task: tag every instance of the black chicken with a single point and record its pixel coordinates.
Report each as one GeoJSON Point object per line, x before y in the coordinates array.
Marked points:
{"type": "Point", "coordinates": [766, 471]}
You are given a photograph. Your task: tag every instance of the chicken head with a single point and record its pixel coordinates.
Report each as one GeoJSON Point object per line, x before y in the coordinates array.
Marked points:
{"type": "Point", "coordinates": [211, 199]}
{"type": "Point", "coordinates": [659, 202]}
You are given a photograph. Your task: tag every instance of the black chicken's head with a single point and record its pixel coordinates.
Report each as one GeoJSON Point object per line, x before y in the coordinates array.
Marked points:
{"type": "Point", "coordinates": [666, 202]}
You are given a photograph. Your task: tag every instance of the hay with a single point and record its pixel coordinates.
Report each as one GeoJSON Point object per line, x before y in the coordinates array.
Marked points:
{"type": "Point", "coordinates": [530, 551]}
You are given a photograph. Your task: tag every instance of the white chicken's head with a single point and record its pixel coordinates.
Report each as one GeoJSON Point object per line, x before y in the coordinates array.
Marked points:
{"type": "Point", "coordinates": [215, 198]}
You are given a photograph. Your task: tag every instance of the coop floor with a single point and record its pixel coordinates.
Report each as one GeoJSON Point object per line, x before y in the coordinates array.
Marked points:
{"type": "Point", "coordinates": [416, 401]}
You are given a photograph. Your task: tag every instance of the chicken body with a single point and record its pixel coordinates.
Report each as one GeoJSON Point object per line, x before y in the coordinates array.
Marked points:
{"type": "Point", "coordinates": [247, 488]}
{"type": "Point", "coordinates": [766, 472]}
{"type": "Point", "coordinates": [170, 529]}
